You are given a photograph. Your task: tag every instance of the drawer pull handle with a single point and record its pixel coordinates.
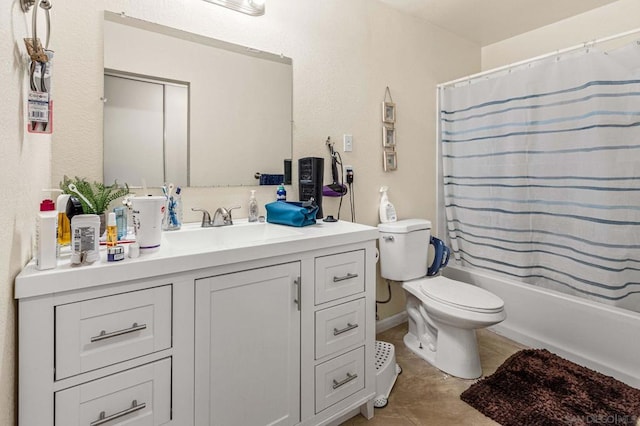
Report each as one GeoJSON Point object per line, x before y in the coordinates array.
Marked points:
{"type": "Point", "coordinates": [344, 330]}
{"type": "Point", "coordinates": [103, 418]}
{"type": "Point", "coordinates": [298, 299]}
{"type": "Point", "coordinates": [346, 277]}
{"type": "Point", "coordinates": [350, 377]}
{"type": "Point", "coordinates": [104, 335]}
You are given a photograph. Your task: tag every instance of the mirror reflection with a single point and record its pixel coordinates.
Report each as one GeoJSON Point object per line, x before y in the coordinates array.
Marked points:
{"type": "Point", "coordinates": [192, 110]}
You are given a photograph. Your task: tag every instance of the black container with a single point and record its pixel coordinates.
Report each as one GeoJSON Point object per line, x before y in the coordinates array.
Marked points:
{"type": "Point", "coordinates": [310, 176]}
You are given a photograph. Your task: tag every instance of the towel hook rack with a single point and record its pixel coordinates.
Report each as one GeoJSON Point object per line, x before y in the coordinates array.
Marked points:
{"type": "Point", "coordinates": [44, 4]}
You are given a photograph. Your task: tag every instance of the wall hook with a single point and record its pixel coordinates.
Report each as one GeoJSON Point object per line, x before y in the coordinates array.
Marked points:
{"type": "Point", "coordinates": [27, 4]}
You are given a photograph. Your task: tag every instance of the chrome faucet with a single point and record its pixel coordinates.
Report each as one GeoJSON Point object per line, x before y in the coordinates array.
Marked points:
{"type": "Point", "coordinates": [222, 217]}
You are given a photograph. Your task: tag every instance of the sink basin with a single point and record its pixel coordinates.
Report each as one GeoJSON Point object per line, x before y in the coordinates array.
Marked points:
{"type": "Point", "coordinates": [224, 237]}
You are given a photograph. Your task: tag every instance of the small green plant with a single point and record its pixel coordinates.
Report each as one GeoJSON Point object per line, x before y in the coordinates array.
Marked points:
{"type": "Point", "coordinates": [98, 194]}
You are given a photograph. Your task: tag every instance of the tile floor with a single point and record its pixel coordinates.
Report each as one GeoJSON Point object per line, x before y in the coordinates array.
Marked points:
{"type": "Point", "coordinates": [425, 396]}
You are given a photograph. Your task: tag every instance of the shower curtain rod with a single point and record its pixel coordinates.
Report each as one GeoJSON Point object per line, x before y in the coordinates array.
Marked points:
{"type": "Point", "coordinates": [537, 58]}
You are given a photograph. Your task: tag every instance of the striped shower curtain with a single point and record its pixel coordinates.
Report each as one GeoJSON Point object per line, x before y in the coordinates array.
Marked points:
{"type": "Point", "coordinates": [541, 171]}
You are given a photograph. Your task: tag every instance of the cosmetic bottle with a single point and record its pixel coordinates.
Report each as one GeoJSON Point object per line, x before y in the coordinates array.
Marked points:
{"type": "Point", "coordinates": [46, 236]}
{"type": "Point", "coordinates": [121, 221]}
{"type": "Point", "coordinates": [64, 224]}
{"type": "Point", "coordinates": [112, 230]}
{"type": "Point", "coordinates": [253, 207]}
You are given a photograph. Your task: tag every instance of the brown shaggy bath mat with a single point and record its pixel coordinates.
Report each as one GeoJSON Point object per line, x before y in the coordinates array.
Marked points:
{"type": "Point", "coordinates": [536, 387]}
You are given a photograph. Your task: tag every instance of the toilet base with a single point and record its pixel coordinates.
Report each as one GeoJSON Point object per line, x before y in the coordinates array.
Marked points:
{"type": "Point", "coordinates": [456, 351]}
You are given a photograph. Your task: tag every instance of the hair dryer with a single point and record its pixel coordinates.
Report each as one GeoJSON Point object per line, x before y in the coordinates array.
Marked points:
{"type": "Point", "coordinates": [334, 189]}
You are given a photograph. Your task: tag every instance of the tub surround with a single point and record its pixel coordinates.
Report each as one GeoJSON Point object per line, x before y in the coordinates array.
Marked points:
{"type": "Point", "coordinates": [292, 309]}
{"type": "Point", "coordinates": [588, 333]}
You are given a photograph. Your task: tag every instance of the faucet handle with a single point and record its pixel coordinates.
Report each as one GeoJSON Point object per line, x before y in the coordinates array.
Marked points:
{"type": "Point", "coordinates": [206, 217]}
{"type": "Point", "coordinates": [230, 219]}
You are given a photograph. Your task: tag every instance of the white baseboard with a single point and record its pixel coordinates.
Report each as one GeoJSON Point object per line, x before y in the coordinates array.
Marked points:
{"type": "Point", "coordinates": [390, 322]}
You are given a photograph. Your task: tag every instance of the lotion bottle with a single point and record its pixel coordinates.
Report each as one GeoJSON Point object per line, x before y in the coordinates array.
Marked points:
{"type": "Point", "coordinates": [47, 236]}
{"type": "Point", "coordinates": [253, 207]}
{"type": "Point", "coordinates": [387, 211]}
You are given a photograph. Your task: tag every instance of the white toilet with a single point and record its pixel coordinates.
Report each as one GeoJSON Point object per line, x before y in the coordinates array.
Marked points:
{"type": "Point", "coordinates": [443, 313]}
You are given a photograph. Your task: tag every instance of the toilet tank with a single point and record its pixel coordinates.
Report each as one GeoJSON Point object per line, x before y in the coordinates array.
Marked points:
{"type": "Point", "coordinates": [404, 246]}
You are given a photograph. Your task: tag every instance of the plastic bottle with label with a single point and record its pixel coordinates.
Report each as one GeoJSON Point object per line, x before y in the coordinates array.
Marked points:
{"type": "Point", "coordinates": [47, 236]}
{"type": "Point", "coordinates": [387, 210]}
{"type": "Point", "coordinates": [281, 193]}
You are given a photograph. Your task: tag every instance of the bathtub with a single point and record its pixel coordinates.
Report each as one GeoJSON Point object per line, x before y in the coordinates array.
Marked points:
{"type": "Point", "coordinates": [601, 337]}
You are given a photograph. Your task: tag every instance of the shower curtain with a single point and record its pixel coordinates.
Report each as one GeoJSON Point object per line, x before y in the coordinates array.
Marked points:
{"type": "Point", "coordinates": [541, 172]}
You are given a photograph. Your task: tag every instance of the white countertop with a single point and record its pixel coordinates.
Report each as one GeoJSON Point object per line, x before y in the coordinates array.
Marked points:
{"type": "Point", "coordinates": [169, 259]}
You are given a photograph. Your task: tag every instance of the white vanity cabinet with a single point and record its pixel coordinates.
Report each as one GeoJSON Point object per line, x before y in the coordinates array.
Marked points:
{"type": "Point", "coordinates": [279, 331]}
{"type": "Point", "coordinates": [104, 355]}
{"type": "Point", "coordinates": [247, 357]}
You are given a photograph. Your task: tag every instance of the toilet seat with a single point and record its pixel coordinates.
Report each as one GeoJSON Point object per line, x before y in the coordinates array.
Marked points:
{"type": "Point", "coordinates": [460, 295]}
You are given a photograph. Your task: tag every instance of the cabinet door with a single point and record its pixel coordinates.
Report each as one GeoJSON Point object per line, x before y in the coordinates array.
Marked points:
{"type": "Point", "coordinates": [247, 349]}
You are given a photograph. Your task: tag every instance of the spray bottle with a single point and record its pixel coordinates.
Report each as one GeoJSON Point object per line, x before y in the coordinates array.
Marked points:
{"type": "Point", "coordinates": [387, 211]}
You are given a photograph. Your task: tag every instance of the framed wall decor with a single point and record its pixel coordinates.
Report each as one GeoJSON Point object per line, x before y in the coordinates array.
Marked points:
{"type": "Point", "coordinates": [390, 160]}
{"type": "Point", "coordinates": [388, 136]}
{"type": "Point", "coordinates": [388, 112]}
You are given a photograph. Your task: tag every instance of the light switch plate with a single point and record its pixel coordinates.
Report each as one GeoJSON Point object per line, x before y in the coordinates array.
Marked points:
{"type": "Point", "coordinates": [348, 143]}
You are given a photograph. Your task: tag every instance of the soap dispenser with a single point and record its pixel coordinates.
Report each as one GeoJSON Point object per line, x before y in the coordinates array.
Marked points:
{"type": "Point", "coordinates": [253, 207]}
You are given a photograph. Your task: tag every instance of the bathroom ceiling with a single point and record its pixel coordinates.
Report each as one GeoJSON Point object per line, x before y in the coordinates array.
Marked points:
{"type": "Point", "coordinates": [489, 21]}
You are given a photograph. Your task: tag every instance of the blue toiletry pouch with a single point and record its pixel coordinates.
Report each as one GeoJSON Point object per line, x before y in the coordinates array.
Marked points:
{"type": "Point", "coordinates": [291, 213]}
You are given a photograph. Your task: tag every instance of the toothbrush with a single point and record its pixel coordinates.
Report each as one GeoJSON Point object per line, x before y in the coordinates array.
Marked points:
{"type": "Point", "coordinates": [73, 189]}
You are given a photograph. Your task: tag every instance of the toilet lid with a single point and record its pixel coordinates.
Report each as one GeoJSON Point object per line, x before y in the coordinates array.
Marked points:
{"type": "Point", "coordinates": [461, 295]}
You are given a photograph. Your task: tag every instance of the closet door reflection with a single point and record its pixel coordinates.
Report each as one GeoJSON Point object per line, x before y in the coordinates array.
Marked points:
{"type": "Point", "coordinates": [145, 131]}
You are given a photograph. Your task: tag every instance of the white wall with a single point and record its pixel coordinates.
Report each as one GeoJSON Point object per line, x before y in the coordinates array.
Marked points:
{"type": "Point", "coordinates": [344, 55]}
{"type": "Point", "coordinates": [614, 18]}
{"type": "Point", "coordinates": [25, 170]}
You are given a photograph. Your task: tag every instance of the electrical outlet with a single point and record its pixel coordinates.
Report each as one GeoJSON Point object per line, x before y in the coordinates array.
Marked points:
{"type": "Point", "coordinates": [348, 174]}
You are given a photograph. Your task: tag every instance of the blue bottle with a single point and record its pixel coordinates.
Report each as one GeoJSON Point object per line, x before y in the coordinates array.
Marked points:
{"type": "Point", "coordinates": [281, 193]}
{"type": "Point", "coordinates": [121, 221]}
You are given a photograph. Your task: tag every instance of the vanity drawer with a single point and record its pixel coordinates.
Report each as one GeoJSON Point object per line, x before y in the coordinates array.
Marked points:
{"type": "Point", "coordinates": [339, 327]}
{"type": "Point", "coordinates": [338, 378]}
{"type": "Point", "coordinates": [98, 332]}
{"type": "Point", "coordinates": [140, 396]}
{"type": "Point", "coordinates": [339, 275]}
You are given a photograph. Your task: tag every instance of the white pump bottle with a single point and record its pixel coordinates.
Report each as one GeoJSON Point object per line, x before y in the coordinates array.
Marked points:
{"type": "Point", "coordinates": [387, 211]}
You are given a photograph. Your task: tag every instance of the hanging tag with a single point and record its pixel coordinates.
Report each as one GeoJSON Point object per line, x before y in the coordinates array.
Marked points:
{"type": "Point", "coordinates": [38, 109]}
{"type": "Point", "coordinates": [35, 50]}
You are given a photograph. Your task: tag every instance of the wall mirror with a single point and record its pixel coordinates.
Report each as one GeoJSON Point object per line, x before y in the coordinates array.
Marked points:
{"type": "Point", "coordinates": [191, 110]}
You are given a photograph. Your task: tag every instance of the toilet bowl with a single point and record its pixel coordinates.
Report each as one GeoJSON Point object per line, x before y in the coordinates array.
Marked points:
{"type": "Point", "coordinates": [443, 316]}
{"type": "Point", "coordinates": [443, 313]}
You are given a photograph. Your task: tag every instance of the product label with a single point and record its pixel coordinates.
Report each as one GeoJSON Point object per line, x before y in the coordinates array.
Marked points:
{"type": "Point", "coordinates": [83, 239]}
